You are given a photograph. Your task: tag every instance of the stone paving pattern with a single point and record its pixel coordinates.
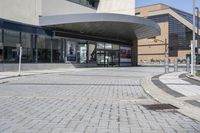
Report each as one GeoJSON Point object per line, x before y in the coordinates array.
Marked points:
{"type": "Point", "coordinates": [86, 101]}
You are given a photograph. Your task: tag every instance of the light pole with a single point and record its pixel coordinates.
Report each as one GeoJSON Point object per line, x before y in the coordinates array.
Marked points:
{"type": "Point", "coordinates": [166, 60]}
{"type": "Point", "coordinates": [166, 57]}
{"type": "Point", "coordinates": [193, 42]}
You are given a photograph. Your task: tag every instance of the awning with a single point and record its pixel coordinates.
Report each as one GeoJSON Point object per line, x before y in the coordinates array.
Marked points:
{"type": "Point", "coordinates": [105, 25]}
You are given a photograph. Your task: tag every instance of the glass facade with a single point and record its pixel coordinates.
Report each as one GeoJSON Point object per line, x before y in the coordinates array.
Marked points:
{"type": "Point", "coordinates": [43, 49]}
{"type": "Point", "coordinates": [108, 54]}
{"type": "Point", "coordinates": [11, 45]}
{"type": "Point", "coordinates": [1, 46]}
{"type": "Point", "coordinates": [57, 50]}
{"type": "Point", "coordinates": [26, 43]}
{"type": "Point", "coordinates": [88, 3]}
{"type": "Point", "coordinates": [40, 46]}
{"type": "Point", "coordinates": [180, 36]}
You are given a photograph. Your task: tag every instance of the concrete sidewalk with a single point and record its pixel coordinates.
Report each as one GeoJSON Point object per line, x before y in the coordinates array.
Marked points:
{"type": "Point", "coordinates": [8, 76]}
{"type": "Point", "coordinates": [175, 89]}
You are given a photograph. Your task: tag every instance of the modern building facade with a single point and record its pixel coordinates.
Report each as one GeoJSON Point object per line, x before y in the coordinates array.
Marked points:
{"type": "Point", "coordinates": [80, 31]}
{"type": "Point", "coordinates": [176, 34]}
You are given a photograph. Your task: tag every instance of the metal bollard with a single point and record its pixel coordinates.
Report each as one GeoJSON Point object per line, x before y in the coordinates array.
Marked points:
{"type": "Point", "coordinates": [166, 65]}
{"type": "Point", "coordinates": [188, 64]}
{"type": "Point", "coordinates": [175, 64]}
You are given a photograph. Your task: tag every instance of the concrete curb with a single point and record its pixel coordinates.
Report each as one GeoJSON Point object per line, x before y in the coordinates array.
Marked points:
{"type": "Point", "coordinates": [163, 97]}
{"type": "Point", "coordinates": [193, 77]}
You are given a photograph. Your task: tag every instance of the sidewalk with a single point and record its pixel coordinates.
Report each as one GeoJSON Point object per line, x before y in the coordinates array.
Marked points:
{"type": "Point", "coordinates": [176, 89]}
{"type": "Point", "coordinates": [7, 76]}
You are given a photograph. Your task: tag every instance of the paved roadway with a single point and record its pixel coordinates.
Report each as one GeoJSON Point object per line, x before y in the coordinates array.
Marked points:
{"type": "Point", "coordinates": [106, 100]}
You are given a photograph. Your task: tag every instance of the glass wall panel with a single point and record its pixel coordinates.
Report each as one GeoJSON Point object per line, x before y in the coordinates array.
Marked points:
{"type": "Point", "coordinates": [108, 46]}
{"type": "Point", "coordinates": [88, 3]}
{"type": "Point", "coordinates": [44, 49]}
{"type": "Point", "coordinates": [11, 38]}
{"type": "Point", "coordinates": [100, 45]}
{"type": "Point", "coordinates": [125, 55]}
{"type": "Point", "coordinates": [71, 50]}
{"type": "Point", "coordinates": [115, 47]}
{"type": "Point", "coordinates": [27, 54]}
{"type": "Point", "coordinates": [82, 53]}
{"type": "Point", "coordinates": [56, 47]}
{"type": "Point", "coordinates": [0, 35]}
{"type": "Point", "coordinates": [92, 52]}
{"type": "Point", "coordinates": [11, 45]}
{"type": "Point", "coordinates": [1, 47]}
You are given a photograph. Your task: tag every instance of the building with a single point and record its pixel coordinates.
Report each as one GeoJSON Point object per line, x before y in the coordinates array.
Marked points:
{"type": "Point", "coordinates": [176, 34]}
{"type": "Point", "coordinates": [98, 32]}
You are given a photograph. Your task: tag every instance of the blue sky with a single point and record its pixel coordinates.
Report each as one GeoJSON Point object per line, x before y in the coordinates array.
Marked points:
{"type": "Point", "coordinates": [185, 5]}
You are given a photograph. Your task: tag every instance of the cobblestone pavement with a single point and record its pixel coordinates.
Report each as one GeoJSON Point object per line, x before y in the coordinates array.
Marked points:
{"type": "Point", "coordinates": [86, 101]}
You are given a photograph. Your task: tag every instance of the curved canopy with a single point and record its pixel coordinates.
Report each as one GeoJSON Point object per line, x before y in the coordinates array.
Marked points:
{"type": "Point", "coordinates": [105, 25]}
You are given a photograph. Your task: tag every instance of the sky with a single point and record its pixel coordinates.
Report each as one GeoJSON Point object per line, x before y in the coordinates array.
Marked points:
{"type": "Point", "coordinates": [185, 5]}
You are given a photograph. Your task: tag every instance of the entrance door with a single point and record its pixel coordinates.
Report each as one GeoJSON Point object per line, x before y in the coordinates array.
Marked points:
{"type": "Point", "coordinates": [100, 57]}
{"type": "Point", "coordinates": [111, 58]}
{"type": "Point", "coordinates": [107, 58]}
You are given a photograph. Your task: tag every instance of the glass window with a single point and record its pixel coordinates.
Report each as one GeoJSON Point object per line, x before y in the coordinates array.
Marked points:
{"type": "Point", "coordinates": [1, 46]}
{"type": "Point", "coordinates": [92, 52]}
{"type": "Point", "coordinates": [71, 50]}
{"type": "Point", "coordinates": [88, 3]}
{"type": "Point", "coordinates": [26, 40]}
{"type": "Point", "coordinates": [115, 47]}
{"type": "Point", "coordinates": [0, 35]}
{"type": "Point", "coordinates": [125, 54]}
{"type": "Point", "coordinates": [100, 46]}
{"type": "Point", "coordinates": [27, 54]}
{"type": "Point", "coordinates": [180, 36]}
{"type": "Point", "coordinates": [44, 49]}
{"type": "Point", "coordinates": [11, 38]}
{"type": "Point", "coordinates": [56, 46]}
{"type": "Point", "coordinates": [108, 46]}
{"type": "Point", "coordinates": [11, 45]}
{"type": "Point", "coordinates": [82, 53]}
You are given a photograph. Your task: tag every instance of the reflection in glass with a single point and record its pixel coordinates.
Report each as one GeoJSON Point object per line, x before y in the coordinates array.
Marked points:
{"type": "Point", "coordinates": [108, 46]}
{"type": "Point", "coordinates": [27, 54]}
{"type": "Point", "coordinates": [11, 40]}
{"type": "Point", "coordinates": [44, 49]}
{"type": "Point", "coordinates": [82, 53]}
{"type": "Point", "coordinates": [100, 46]}
{"type": "Point", "coordinates": [71, 51]}
{"type": "Point", "coordinates": [92, 52]}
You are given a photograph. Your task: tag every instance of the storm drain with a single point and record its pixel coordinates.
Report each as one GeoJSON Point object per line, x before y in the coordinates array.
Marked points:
{"type": "Point", "coordinates": [159, 107]}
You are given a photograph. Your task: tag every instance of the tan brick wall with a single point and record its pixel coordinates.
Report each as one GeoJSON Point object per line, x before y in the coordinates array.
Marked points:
{"type": "Point", "coordinates": [149, 50]}
{"type": "Point", "coordinates": [144, 10]}
{"type": "Point", "coordinates": [182, 54]}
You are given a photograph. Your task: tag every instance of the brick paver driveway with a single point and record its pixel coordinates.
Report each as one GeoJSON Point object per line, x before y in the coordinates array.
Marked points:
{"type": "Point", "coordinates": [89, 100]}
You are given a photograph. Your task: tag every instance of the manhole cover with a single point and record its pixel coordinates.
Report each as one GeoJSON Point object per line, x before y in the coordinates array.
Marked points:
{"type": "Point", "coordinates": [159, 106]}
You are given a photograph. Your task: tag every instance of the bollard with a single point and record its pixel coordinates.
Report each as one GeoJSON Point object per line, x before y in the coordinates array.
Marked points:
{"type": "Point", "coordinates": [20, 61]}
{"type": "Point", "coordinates": [175, 64]}
{"type": "Point", "coordinates": [188, 64]}
{"type": "Point", "coordinates": [166, 65]}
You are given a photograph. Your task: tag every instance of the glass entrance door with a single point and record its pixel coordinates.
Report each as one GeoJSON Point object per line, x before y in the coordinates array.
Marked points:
{"type": "Point", "coordinates": [107, 58]}
{"type": "Point", "coordinates": [112, 58]}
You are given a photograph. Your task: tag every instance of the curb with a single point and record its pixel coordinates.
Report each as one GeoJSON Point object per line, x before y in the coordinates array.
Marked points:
{"type": "Point", "coordinates": [193, 77]}
{"type": "Point", "coordinates": [165, 98]}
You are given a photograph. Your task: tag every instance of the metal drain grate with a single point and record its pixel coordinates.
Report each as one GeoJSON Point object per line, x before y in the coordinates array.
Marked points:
{"type": "Point", "coordinates": [159, 107]}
